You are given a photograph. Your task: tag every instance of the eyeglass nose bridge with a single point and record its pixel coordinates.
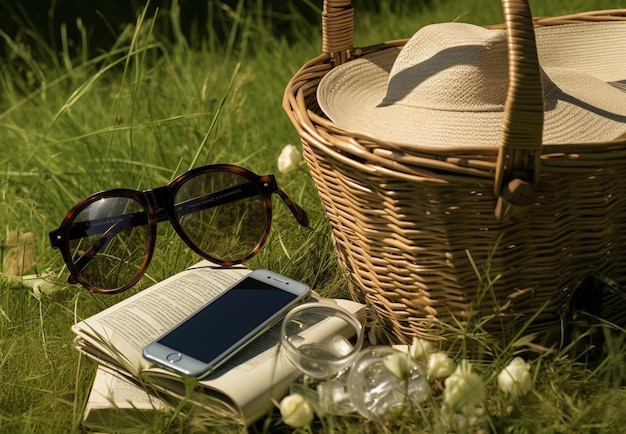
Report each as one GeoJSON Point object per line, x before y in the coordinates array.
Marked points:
{"type": "Point", "coordinates": [159, 200]}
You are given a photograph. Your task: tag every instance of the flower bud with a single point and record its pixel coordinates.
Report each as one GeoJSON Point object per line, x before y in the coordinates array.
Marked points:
{"type": "Point", "coordinates": [463, 388]}
{"type": "Point", "coordinates": [439, 365]}
{"type": "Point", "coordinates": [420, 348]}
{"type": "Point", "coordinates": [295, 411]}
{"type": "Point", "coordinates": [289, 159]}
{"type": "Point", "coordinates": [515, 378]}
{"type": "Point", "coordinates": [398, 364]}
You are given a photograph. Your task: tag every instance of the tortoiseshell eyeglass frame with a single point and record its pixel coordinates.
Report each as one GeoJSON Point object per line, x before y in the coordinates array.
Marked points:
{"type": "Point", "coordinates": [159, 206]}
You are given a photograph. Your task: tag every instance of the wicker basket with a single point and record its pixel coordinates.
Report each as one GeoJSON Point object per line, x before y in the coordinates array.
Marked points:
{"type": "Point", "coordinates": [405, 217]}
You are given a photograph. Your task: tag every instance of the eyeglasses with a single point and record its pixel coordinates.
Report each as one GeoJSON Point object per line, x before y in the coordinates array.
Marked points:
{"type": "Point", "coordinates": [222, 212]}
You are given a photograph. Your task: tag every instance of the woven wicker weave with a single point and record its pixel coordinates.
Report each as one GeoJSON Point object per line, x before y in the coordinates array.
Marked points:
{"type": "Point", "coordinates": [403, 218]}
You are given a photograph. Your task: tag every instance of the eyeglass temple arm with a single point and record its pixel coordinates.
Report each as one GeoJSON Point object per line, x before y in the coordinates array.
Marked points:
{"type": "Point", "coordinates": [299, 213]}
{"type": "Point", "coordinates": [268, 182]}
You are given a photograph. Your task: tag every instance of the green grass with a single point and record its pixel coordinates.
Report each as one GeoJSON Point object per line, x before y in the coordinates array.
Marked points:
{"type": "Point", "coordinates": [150, 108]}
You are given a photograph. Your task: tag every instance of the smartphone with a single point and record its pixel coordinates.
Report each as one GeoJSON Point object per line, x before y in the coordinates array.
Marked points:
{"type": "Point", "coordinates": [213, 334]}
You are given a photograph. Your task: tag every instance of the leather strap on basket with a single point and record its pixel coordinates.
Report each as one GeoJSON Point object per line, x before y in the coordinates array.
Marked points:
{"type": "Point", "coordinates": [519, 157]}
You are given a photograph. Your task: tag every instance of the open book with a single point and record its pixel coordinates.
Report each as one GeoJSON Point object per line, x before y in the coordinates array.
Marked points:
{"type": "Point", "coordinates": [246, 383]}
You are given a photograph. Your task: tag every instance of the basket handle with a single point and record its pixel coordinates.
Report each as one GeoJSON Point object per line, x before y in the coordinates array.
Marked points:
{"type": "Point", "coordinates": [519, 156]}
{"type": "Point", "coordinates": [337, 29]}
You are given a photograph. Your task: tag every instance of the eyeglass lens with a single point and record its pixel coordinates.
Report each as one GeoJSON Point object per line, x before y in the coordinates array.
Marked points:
{"type": "Point", "coordinates": [111, 250]}
{"type": "Point", "coordinates": [220, 214]}
{"type": "Point", "coordinates": [228, 223]}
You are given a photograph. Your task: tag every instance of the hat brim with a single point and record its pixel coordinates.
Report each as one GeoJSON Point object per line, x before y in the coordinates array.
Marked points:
{"type": "Point", "coordinates": [582, 108]}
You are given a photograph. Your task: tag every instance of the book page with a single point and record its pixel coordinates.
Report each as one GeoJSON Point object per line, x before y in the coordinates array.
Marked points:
{"type": "Point", "coordinates": [110, 390]}
{"type": "Point", "coordinates": [115, 402]}
{"type": "Point", "coordinates": [123, 330]}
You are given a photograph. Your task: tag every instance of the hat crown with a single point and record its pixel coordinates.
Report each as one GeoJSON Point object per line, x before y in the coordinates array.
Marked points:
{"type": "Point", "coordinates": [447, 87]}
{"type": "Point", "coordinates": [451, 66]}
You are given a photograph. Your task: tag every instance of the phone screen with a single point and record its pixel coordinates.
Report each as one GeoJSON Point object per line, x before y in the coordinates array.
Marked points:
{"type": "Point", "coordinates": [229, 318]}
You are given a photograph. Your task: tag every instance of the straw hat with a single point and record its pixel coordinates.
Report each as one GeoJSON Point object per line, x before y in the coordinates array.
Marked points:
{"type": "Point", "coordinates": [447, 86]}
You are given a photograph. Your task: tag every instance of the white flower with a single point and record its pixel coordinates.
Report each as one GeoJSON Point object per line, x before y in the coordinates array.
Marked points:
{"type": "Point", "coordinates": [40, 285]}
{"type": "Point", "coordinates": [463, 388]}
{"type": "Point", "coordinates": [289, 159]}
{"type": "Point", "coordinates": [420, 348]}
{"type": "Point", "coordinates": [439, 365]}
{"type": "Point", "coordinates": [515, 378]}
{"type": "Point", "coordinates": [43, 287]}
{"type": "Point", "coordinates": [295, 411]}
{"type": "Point", "coordinates": [398, 364]}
